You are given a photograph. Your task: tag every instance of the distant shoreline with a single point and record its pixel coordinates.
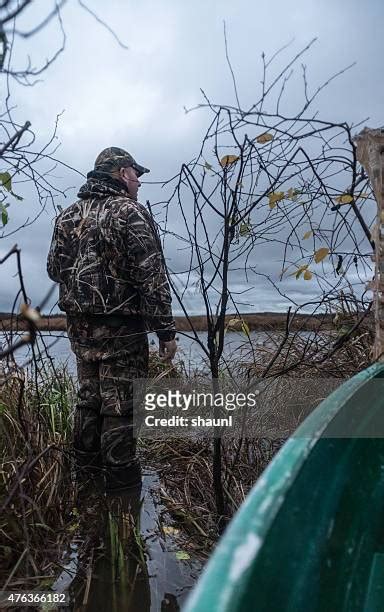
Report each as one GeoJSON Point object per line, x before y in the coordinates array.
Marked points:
{"type": "Point", "coordinates": [260, 321]}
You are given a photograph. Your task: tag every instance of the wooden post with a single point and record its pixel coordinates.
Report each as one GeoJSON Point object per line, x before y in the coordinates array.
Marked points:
{"type": "Point", "coordinates": [370, 153]}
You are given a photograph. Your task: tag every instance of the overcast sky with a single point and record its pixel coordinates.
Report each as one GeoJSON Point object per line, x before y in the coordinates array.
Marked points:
{"type": "Point", "coordinates": [135, 98]}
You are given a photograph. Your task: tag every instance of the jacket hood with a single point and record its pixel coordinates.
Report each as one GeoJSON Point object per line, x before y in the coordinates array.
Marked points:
{"type": "Point", "coordinates": [101, 185]}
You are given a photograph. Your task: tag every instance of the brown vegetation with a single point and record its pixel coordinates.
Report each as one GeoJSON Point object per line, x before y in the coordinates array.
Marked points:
{"type": "Point", "coordinates": [258, 321]}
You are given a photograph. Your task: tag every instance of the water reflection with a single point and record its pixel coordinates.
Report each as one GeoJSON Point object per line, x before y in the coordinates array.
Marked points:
{"type": "Point", "coordinates": [132, 564]}
{"type": "Point", "coordinates": [120, 578]}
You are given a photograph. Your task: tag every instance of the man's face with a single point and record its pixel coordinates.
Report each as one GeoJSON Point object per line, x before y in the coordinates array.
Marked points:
{"type": "Point", "coordinates": [131, 180]}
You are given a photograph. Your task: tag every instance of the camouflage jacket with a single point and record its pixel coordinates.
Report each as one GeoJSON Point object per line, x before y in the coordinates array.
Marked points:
{"type": "Point", "coordinates": [107, 256]}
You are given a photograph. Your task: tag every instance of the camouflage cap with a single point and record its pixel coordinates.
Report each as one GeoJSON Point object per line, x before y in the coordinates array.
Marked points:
{"type": "Point", "coordinates": [114, 158]}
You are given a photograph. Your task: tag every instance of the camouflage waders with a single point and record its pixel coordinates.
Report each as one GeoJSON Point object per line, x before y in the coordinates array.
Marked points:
{"type": "Point", "coordinates": [109, 357]}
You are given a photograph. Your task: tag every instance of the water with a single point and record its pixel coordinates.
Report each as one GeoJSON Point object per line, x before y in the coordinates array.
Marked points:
{"type": "Point", "coordinates": [151, 580]}
{"type": "Point", "coordinates": [57, 346]}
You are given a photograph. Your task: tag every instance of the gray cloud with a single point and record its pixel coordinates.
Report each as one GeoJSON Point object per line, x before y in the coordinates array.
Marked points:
{"type": "Point", "coordinates": [135, 99]}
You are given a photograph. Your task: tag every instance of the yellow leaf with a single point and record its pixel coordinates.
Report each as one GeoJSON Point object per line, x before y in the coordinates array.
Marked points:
{"type": "Point", "coordinates": [29, 313]}
{"type": "Point", "coordinates": [245, 229]}
{"type": "Point", "coordinates": [307, 275]}
{"type": "Point", "coordinates": [263, 138]}
{"type": "Point", "coordinates": [227, 160]}
{"type": "Point", "coordinates": [245, 328]}
{"type": "Point", "coordinates": [345, 198]}
{"type": "Point", "coordinates": [235, 324]}
{"type": "Point", "coordinates": [320, 254]}
{"type": "Point", "coordinates": [274, 198]}
{"type": "Point", "coordinates": [307, 234]}
{"type": "Point", "coordinates": [292, 194]}
{"type": "Point", "coordinates": [299, 271]}
{"type": "Point", "coordinates": [168, 530]}
{"type": "Point", "coordinates": [181, 555]}
{"type": "Point", "coordinates": [6, 180]}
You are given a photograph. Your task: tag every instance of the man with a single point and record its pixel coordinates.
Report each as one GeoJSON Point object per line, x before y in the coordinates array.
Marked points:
{"type": "Point", "coordinates": [106, 255]}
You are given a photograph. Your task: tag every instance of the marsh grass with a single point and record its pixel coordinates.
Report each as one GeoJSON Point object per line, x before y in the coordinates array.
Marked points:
{"type": "Point", "coordinates": [36, 496]}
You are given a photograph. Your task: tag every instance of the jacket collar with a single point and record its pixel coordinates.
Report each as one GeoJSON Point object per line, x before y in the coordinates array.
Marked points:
{"type": "Point", "coordinates": [101, 185]}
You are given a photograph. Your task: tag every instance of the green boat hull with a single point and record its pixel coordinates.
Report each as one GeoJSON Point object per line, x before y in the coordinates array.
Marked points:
{"type": "Point", "coordinates": [310, 535]}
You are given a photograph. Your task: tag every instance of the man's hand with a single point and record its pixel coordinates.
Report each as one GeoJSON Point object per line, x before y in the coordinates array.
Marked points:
{"type": "Point", "coordinates": [167, 350]}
